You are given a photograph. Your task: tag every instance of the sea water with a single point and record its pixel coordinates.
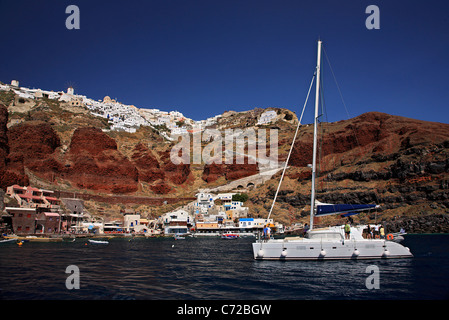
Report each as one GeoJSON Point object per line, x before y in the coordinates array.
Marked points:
{"type": "Point", "coordinates": [213, 269]}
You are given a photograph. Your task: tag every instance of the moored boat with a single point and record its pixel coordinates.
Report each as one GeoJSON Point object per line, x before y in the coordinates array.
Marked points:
{"type": "Point", "coordinates": [329, 244]}
{"type": "Point", "coordinates": [34, 238]}
{"type": "Point", "coordinates": [230, 236]}
{"type": "Point", "coordinates": [7, 240]}
{"type": "Point", "coordinates": [339, 242]}
{"type": "Point", "coordinates": [98, 241]}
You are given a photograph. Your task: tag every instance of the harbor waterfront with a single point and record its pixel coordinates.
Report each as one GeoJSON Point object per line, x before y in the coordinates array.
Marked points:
{"type": "Point", "coordinates": [211, 268]}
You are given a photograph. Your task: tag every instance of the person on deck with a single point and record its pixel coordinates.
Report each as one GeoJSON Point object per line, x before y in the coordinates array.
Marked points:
{"type": "Point", "coordinates": [376, 231]}
{"type": "Point", "coordinates": [266, 232]}
{"type": "Point", "coordinates": [347, 231]}
{"type": "Point", "coordinates": [306, 228]}
{"type": "Point", "coordinates": [382, 232]}
{"type": "Point", "coordinates": [368, 232]}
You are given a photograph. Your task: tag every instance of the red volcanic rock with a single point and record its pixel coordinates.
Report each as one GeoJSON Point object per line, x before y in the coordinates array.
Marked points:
{"type": "Point", "coordinates": [231, 172]}
{"type": "Point", "coordinates": [143, 157]}
{"type": "Point", "coordinates": [4, 147]}
{"type": "Point", "coordinates": [238, 171]}
{"type": "Point", "coordinates": [370, 133]}
{"type": "Point", "coordinates": [146, 163]}
{"type": "Point", "coordinates": [32, 145]}
{"type": "Point", "coordinates": [92, 141]}
{"type": "Point", "coordinates": [213, 171]}
{"type": "Point", "coordinates": [159, 173]}
{"type": "Point", "coordinates": [32, 140]}
{"type": "Point", "coordinates": [98, 165]}
{"type": "Point", "coordinates": [175, 173]}
{"type": "Point", "coordinates": [11, 169]}
{"type": "Point", "coordinates": [160, 187]}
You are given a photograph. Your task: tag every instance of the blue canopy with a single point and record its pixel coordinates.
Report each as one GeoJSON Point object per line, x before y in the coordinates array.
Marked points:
{"type": "Point", "coordinates": [325, 209]}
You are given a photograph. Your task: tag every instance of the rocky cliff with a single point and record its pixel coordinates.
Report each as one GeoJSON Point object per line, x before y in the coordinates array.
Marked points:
{"type": "Point", "coordinates": [93, 162]}
{"type": "Point", "coordinates": [400, 163]}
{"type": "Point", "coordinates": [57, 146]}
{"type": "Point", "coordinates": [4, 145]}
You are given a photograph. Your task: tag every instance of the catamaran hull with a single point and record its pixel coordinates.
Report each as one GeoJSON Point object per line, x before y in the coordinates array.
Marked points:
{"type": "Point", "coordinates": [339, 250]}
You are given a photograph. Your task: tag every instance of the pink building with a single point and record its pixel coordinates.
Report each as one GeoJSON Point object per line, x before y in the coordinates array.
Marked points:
{"type": "Point", "coordinates": [38, 212]}
{"type": "Point", "coordinates": [30, 197]}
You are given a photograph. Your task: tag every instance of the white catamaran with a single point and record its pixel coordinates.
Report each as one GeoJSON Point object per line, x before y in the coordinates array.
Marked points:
{"type": "Point", "coordinates": [332, 242]}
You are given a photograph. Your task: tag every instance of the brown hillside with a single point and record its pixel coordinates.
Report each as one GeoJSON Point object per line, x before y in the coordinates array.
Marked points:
{"type": "Point", "coordinates": [400, 163]}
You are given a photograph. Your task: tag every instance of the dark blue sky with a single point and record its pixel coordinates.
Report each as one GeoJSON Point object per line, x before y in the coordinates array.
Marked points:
{"type": "Point", "coordinates": [205, 57]}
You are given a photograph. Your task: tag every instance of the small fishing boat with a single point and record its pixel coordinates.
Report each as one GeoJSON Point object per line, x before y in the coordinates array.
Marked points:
{"type": "Point", "coordinates": [34, 238]}
{"type": "Point", "coordinates": [98, 241]}
{"type": "Point", "coordinates": [7, 240]}
{"type": "Point", "coordinates": [178, 236]}
{"type": "Point", "coordinates": [230, 236]}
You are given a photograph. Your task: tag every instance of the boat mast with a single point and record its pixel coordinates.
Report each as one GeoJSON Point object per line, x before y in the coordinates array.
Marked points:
{"type": "Point", "coordinates": [315, 134]}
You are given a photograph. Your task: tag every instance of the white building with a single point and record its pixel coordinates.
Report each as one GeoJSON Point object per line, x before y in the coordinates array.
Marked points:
{"type": "Point", "coordinates": [226, 199]}
{"type": "Point", "coordinates": [163, 120]}
{"type": "Point", "coordinates": [235, 205]}
{"type": "Point", "coordinates": [131, 222]}
{"type": "Point", "coordinates": [254, 223]}
{"type": "Point", "coordinates": [267, 117]}
{"type": "Point", "coordinates": [66, 97]}
{"type": "Point", "coordinates": [176, 115]}
{"type": "Point", "coordinates": [203, 203]}
{"type": "Point", "coordinates": [121, 116]}
{"type": "Point", "coordinates": [179, 131]}
{"type": "Point", "coordinates": [220, 216]}
{"type": "Point", "coordinates": [93, 226]}
{"type": "Point", "coordinates": [176, 222]}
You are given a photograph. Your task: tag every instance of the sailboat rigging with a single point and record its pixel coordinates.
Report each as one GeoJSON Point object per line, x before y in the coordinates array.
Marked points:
{"type": "Point", "coordinates": [332, 242]}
